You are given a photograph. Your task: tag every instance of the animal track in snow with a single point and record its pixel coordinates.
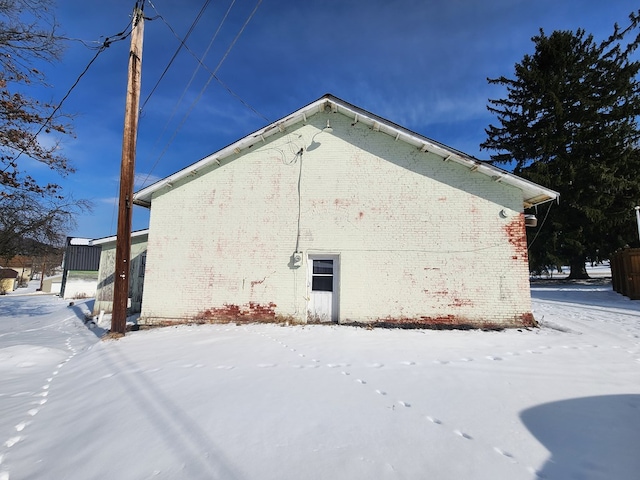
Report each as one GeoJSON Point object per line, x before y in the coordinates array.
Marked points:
{"type": "Point", "coordinates": [12, 441]}
{"type": "Point", "coordinates": [345, 373]}
{"type": "Point", "coordinates": [491, 357]}
{"type": "Point", "coordinates": [376, 365]}
{"type": "Point", "coordinates": [361, 381]}
{"type": "Point", "coordinates": [408, 363]}
{"type": "Point", "coordinates": [466, 359]}
{"type": "Point", "coordinates": [441, 362]}
{"type": "Point", "coordinates": [266, 365]}
{"type": "Point", "coordinates": [434, 420]}
{"type": "Point", "coordinates": [381, 392]}
{"type": "Point", "coordinates": [502, 452]}
{"type": "Point", "coordinates": [403, 403]}
{"type": "Point", "coordinates": [19, 427]}
{"type": "Point", "coordinates": [463, 435]}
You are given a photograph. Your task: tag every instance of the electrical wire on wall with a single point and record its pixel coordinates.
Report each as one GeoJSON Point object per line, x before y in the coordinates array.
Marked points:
{"type": "Point", "coordinates": [124, 34]}
{"type": "Point", "coordinates": [541, 225]}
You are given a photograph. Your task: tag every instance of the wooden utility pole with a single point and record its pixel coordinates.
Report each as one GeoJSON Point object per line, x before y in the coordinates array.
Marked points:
{"type": "Point", "coordinates": [125, 205]}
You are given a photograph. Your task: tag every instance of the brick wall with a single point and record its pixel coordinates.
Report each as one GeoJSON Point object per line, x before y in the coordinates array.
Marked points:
{"type": "Point", "coordinates": [419, 239]}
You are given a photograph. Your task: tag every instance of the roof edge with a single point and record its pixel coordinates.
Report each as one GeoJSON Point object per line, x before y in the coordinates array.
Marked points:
{"type": "Point", "coordinates": [533, 194]}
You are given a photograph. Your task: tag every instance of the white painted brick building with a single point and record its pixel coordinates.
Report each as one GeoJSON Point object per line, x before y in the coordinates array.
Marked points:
{"type": "Point", "coordinates": [363, 222]}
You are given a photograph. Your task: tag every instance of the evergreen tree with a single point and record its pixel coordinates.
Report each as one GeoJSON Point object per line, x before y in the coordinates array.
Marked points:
{"type": "Point", "coordinates": [569, 123]}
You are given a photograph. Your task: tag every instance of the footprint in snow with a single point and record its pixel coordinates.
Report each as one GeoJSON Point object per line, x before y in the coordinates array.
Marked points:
{"type": "Point", "coordinates": [381, 392]}
{"type": "Point", "coordinates": [466, 359]}
{"type": "Point", "coordinates": [376, 365]}
{"type": "Point", "coordinates": [463, 435]}
{"type": "Point", "coordinates": [502, 452]}
{"type": "Point", "coordinates": [266, 365]}
{"type": "Point", "coordinates": [408, 363]}
{"type": "Point", "coordinates": [19, 427]}
{"type": "Point", "coordinates": [404, 404]}
{"type": "Point", "coordinates": [361, 381]}
{"type": "Point", "coordinates": [491, 357]}
{"type": "Point", "coordinates": [12, 441]}
{"type": "Point", "coordinates": [345, 373]}
{"type": "Point", "coordinates": [441, 362]}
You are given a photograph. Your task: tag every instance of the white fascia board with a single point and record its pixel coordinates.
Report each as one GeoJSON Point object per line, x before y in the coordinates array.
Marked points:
{"type": "Point", "coordinates": [143, 197]}
{"type": "Point", "coordinates": [532, 193]}
{"type": "Point", "coordinates": [113, 238]}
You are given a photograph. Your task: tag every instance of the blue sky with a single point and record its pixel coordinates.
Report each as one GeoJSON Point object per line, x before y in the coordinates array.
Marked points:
{"type": "Point", "coordinates": [421, 64]}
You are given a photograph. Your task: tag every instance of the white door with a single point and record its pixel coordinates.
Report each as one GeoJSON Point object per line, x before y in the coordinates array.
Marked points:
{"type": "Point", "coordinates": [323, 288]}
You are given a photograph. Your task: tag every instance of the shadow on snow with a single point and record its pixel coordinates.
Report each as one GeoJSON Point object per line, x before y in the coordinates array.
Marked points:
{"type": "Point", "coordinates": [591, 437]}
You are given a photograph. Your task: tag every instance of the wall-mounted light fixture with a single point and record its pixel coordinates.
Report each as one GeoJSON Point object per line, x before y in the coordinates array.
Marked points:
{"type": "Point", "coordinates": [313, 145]}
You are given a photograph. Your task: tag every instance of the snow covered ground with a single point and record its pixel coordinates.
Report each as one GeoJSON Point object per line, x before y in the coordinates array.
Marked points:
{"type": "Point", "coordinates": [324, 402]}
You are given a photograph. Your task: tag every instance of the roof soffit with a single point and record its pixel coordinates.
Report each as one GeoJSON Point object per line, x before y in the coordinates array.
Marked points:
{"type": "Point", "coordinates": [532, 193]}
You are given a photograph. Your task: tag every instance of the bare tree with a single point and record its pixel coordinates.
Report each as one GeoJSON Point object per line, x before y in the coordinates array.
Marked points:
{"type": "Point", "coordinates": [31, 224]}
{"type": "Point", "coordinates": [28, 39]}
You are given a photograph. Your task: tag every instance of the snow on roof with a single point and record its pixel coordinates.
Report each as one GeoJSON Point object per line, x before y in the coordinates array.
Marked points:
{"type": "Point", "coordinates": [78, 241]}
{"type": "Point", "coordinates": [532, 194]}
{"type": "Point", "coordinates": [112, 238]}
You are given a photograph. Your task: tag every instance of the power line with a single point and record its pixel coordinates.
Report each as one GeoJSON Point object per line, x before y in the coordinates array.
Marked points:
{"type": "Point", "coordinates": [182, 44]}
{"type": "Point", "coordinates": [193, 76]}
{"type": "Point", "coordinates": [203, 65]}
{"type": "Point", "coordinates": [105, 44]}
{"type": "Point", "coordinates": [211, 77]}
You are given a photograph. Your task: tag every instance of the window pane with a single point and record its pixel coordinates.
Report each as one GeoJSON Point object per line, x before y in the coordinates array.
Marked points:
{"type": "Point", "coordinates": [323, 266]}
{"type": "Point", "coordinates": [322, 284]}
